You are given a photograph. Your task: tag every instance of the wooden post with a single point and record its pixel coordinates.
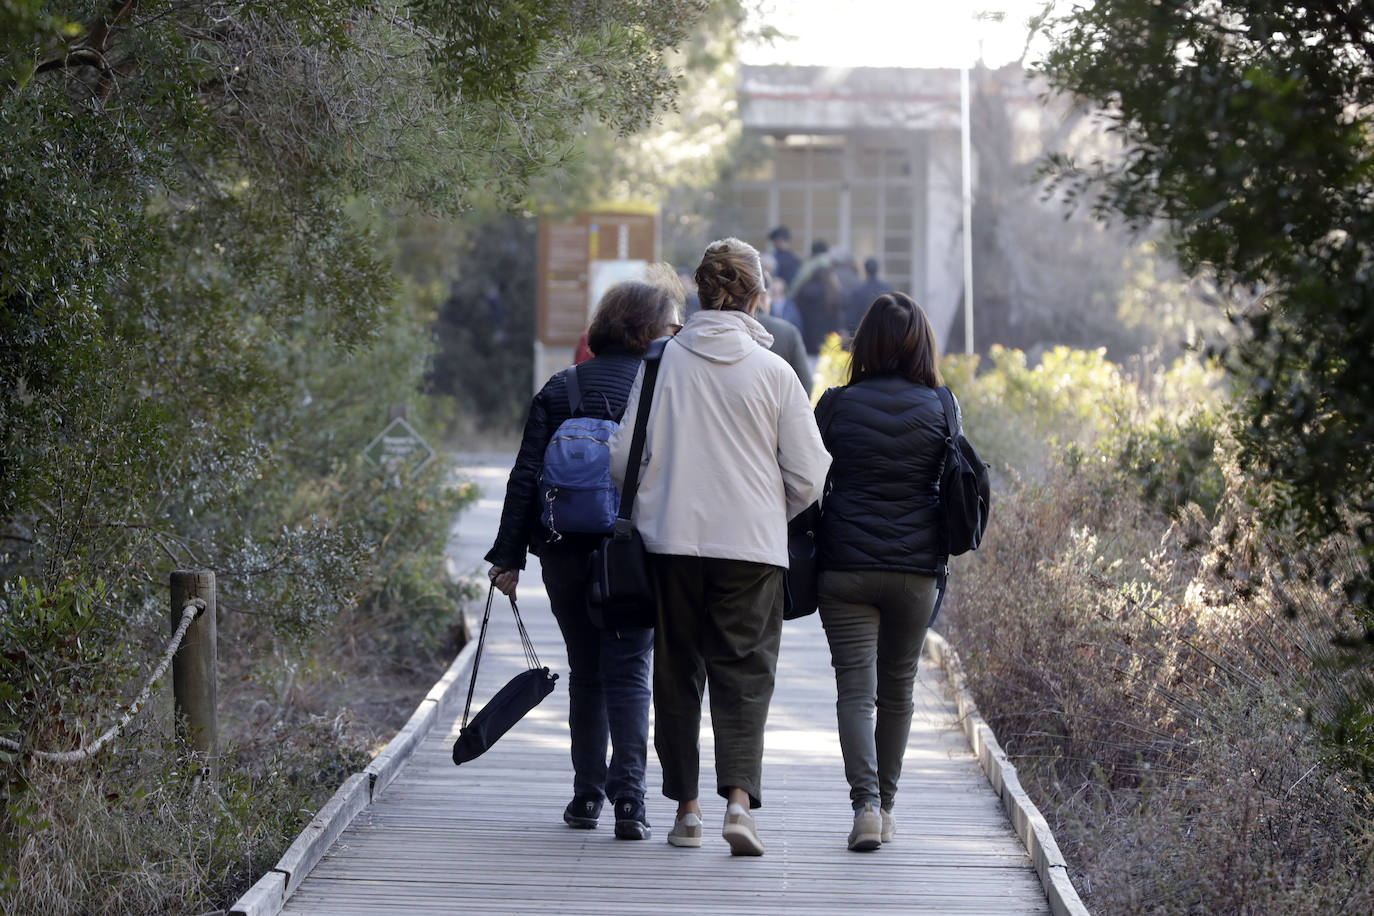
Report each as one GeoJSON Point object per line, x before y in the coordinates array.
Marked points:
{"type": "Point", "coordinates": [398, 410]}
{"type": "Point", "coordinates": [193, 666]}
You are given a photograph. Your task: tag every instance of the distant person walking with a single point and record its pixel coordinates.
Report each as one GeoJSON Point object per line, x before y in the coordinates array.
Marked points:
{"type": "Point", "coordinates": [787, 261]}
{"type": "Point", "coordinates": [862, 297]}
{"type": "Point", "coordinates": [787, 339]}
{"type": "Point", "coordinates": [817, 294]}
{"type": "Point", "coordinates": [781, 305]}
{"type": "Point", "coordinates": [846, 274]}
{"type": "Point", "coordinates": [731, 453]}
{"type": "Point", "coordinates": [608, 679]}
{"type": "Point", "coordinates": [787, 343]}
{"type": "Point", "coordinates": [881, 547]}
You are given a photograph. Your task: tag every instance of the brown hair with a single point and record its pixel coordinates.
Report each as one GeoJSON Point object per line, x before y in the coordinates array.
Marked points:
{"type": "Point", "coordinates": [895, 338]}
{"type": "Point", "coordinates": [632, 313]}
{"type": "Point", "coordinates": [730, 275]}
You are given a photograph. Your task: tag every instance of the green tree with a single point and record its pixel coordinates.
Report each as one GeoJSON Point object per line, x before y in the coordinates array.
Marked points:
{"type": "Point", "coordinates": [1246, 127]}
{"type": "Point", "coordinates": [201, 321]}
{"type": "Point", "coordinates": [486, 325]}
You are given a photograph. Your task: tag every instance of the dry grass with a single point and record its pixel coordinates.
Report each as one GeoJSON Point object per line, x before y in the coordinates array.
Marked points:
{"type": "Point", "coordinates": [134, 832]}
{"type": "Point", "coordinates": [1161, 706]}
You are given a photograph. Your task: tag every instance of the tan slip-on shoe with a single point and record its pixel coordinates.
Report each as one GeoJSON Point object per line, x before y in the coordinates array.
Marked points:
{"type": "Point", "coordinates": [686, 832]}
{"type": "Point", "coordinates": [867, 834]}
{"type": "Point", "coordinates": [742, 835]}
{"type": "Point", "coordinates": [889, 826]}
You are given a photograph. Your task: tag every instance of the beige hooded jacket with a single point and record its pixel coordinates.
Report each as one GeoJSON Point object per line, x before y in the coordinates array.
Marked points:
{"type": "Point", "coordinates": [732, 450]}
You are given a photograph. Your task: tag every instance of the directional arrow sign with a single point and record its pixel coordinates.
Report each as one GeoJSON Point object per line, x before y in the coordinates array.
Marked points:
{"type": "Point", "coordinates": [399, 447]}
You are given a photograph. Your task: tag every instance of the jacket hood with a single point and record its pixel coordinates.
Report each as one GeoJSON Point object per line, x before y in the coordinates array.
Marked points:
{"type": "Point", "coordinates": [723, 336]}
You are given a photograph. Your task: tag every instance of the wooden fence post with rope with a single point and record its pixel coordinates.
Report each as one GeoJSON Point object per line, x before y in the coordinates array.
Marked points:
{"type": "Point", "coordinates": [193, 667]}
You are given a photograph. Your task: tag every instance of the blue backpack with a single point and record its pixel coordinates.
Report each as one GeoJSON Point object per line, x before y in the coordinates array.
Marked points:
{"type": "Point", "coordinates": [575, 488]}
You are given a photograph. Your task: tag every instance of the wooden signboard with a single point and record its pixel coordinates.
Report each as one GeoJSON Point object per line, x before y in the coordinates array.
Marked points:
{"type": "Point", "coordinates": [574, 253]}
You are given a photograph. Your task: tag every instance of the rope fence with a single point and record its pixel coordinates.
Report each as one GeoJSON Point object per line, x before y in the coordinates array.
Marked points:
{"type": "Point", "coordinates": [193, 609]}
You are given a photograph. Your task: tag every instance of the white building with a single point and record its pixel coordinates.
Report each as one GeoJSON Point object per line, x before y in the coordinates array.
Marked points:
{"type": "Point", "coordinates": [865, 158]}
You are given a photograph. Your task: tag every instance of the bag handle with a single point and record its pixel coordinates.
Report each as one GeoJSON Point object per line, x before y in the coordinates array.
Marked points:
{"type": "Point", "coordinates": [646, 394]}
{"type": "Point", "coordinates": [477, 658]}
{"type": "Point", "coordinates": [531, 659]}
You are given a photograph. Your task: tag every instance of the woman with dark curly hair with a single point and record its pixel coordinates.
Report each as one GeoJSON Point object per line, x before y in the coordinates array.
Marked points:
{"type": "Point", "coordinates": [731, 453]}
{"type": "Point", "coordinates": [608, 670]}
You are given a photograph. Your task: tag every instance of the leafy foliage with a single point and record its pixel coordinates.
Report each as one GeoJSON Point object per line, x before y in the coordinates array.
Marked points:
{"type": "Point", "coordinates": [485, 325]}
{"type": "Point", "coordinates": [201, 325]}
{"type": "Point", "coordinates": [1247, 126]}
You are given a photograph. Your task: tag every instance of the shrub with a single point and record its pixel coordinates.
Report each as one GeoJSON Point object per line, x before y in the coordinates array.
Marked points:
{"type": "Point", "coordinates": [1169, 719]}
{"type": "Point", "coordinates": [84, 843]}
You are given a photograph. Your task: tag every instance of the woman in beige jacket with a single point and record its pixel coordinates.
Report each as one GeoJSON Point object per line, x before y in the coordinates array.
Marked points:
{"type": "Point", "coordinates": [731, 453]}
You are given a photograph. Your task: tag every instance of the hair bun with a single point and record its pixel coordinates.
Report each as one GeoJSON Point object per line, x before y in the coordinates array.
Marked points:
{"type": "Point", "coordinates": [729, 275]}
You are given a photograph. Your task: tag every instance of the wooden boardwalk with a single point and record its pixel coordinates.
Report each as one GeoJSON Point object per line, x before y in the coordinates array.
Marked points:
{"type": "Point", "coordinates": [488, 837]}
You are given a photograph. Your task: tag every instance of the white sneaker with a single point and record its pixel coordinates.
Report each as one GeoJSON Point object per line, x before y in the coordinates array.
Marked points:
{"type": "Point", "coordinates": [686, 832]}
{"type": "Point", "coordinates": [867, 834]}
{"type": "Point", "coordinates": [889, 826]}
{"type": "Point", "coordinates": [741, 833]}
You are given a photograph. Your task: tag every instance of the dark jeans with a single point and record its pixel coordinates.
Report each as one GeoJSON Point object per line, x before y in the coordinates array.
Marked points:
{"type": "Point", "coordinates": [875, 622]}
{"type": "Point", "coordinates": [608, 685]}
{"type": "Point", "coordinates": [719, 621]}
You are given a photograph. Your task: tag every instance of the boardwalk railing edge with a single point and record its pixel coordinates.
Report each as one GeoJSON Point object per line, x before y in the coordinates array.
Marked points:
{"type": "Point", "coordinates": [1030, 824]}
{"type": "Point", "coordinates": [269, 895]}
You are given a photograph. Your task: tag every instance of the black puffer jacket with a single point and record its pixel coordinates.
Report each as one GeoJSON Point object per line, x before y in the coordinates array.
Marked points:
{"type": "Point", "coordinates": [605, 382]}
{"type": "Point", "coordinates": [887, 437]}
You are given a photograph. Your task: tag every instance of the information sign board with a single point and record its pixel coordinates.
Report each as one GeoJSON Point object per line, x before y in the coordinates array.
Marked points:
{"type": "Point", "coordinates": [568, 251]}
{"type": "Point", "coordinates": [399, 448]}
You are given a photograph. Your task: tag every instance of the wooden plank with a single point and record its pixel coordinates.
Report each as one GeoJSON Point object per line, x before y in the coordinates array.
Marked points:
{"type": "Point", "coordinates": [384, 767]}
{"type": "Point", "coordinates": [264, 898]}
{"type": "Point", "coordinates": [452, 687]}
{"type": "Point", "coordinates": [1029, 823]}
{"type": "Point", "coordinates": [323, 830]}
{"type": "Point", "coordinates": [488, 837]}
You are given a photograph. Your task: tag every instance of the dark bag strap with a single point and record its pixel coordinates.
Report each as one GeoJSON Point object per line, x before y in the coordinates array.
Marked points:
{"type": "Point", "coordinates": [825, 409]}
{"type": "Point", "coordinates": [652, 359]}
{"type": "Point", "coordinates": [941, 583]}
{"type": "Point", "coordinates": [574, 390]}
{"type": "Point", "coordinates": [952, 423]}
{"type": "Point", "coordinates": [951, 418]}
{"type": "Point", "coordinates": [825, 413]}
{"type": "Point", "coordinates": [531, 659]}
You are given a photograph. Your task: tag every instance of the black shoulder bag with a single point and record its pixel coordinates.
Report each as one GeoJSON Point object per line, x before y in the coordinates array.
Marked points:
{"type": "Point", "coordinates": [801, 585]}
{"type": "Point", "coordinates": [965, 495]}
{"type": "Point", "coordinates": [621, 593]}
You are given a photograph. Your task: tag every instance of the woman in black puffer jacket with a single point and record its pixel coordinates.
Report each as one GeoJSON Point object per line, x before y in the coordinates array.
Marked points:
{"type": "Point", "coordinates": [608, 670]}
{"type": "Point", "coordinates": [881, 546]}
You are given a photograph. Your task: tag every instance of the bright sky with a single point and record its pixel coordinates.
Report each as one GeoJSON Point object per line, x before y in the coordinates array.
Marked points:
{"type": "Point", "coordinates": [893, 33]}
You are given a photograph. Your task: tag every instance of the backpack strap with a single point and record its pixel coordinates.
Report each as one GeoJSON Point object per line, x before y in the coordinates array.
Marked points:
{"type": "Point", "coordinates": [825, 413]}
{"type": "Point", "coordinates": [652, 359]}
{"type": "Point", "coordinates": [951, 416]}
{"type": "Point", "coordinates": [952, 425]}
{"type": "Point", "coordinates": [574, 390]}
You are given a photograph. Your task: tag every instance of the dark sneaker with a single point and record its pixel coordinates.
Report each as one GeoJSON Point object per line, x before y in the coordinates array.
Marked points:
{"type": "Point", "coordinates": [631, 823]}
{"type": "Point", "coordinates": [582, 812]}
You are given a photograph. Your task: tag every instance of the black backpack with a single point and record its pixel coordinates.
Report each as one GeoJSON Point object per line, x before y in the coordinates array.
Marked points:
{"type": "Point", "coordinates": [965, 491]}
